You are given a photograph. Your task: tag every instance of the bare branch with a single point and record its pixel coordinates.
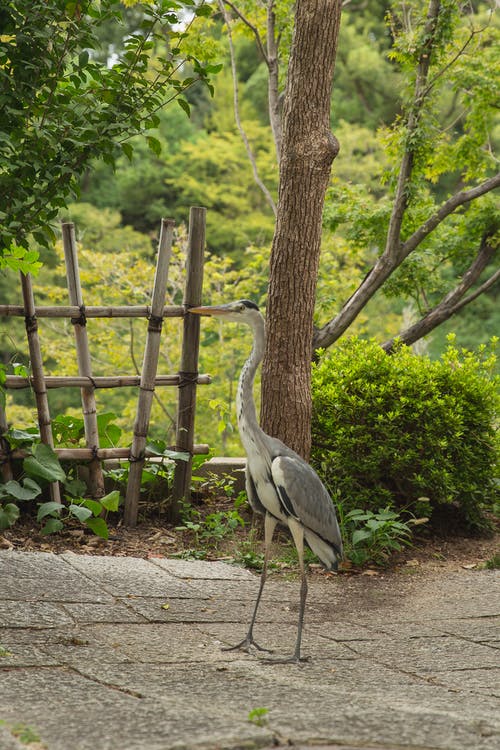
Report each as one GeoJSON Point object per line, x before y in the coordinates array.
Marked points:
{"type": "Point", "coordinates": [387, 264]}
{"type": "Point", "coordinates": [273, 94]}
{"type": "Point", "coordinates": [237, 118]}
{"type": "Point", "coordinates": [448, 207]}
{"type": "Point", "coordinates": [454, 300]}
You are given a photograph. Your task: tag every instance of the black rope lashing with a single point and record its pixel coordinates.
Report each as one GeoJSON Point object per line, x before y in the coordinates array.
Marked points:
{"type": "Point", "coordinates": [82, 318]}
{"type": "Point", "coordinates": [31, 323]}
{"type": "Point", "coordinates": [187, 378]}
{"type": "Point", "coordinates": [155, 322]}
{"type": "Point", "coordinates": [137, 459]}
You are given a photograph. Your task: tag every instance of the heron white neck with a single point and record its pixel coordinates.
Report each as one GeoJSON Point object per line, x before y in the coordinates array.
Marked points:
{"type": "Point", "coordinates": [245, 404]}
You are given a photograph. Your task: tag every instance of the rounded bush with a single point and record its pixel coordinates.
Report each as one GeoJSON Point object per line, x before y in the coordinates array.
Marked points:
{"type": "Point", "coordinates": [404, 431]}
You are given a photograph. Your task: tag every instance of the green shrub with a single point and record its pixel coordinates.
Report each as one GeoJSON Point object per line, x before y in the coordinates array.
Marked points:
{"type": "Point", "coordinates": [404, 431]}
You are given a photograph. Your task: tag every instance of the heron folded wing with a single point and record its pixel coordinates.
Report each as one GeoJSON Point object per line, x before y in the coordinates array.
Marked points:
{"type": "Point", "coordinates": [305, 497]}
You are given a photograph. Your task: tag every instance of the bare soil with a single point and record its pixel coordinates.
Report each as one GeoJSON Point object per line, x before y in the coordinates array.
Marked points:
{"type": "Point", "coordinates": [432, 550]}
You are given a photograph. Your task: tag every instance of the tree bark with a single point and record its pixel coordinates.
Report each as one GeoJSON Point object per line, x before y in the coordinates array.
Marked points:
{"type": "Point", "coordinates": [307, 153]}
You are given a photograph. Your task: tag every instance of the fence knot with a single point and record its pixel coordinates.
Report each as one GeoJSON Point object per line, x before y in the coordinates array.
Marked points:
{"type": "Point", "coordinates": [187, 378]}
{"type": "Point", "coordinates": [155, 322]}
{"type": "Point", "coordinates": [82, 318]}
{"type": "Point", "coordinates": [31, 323]}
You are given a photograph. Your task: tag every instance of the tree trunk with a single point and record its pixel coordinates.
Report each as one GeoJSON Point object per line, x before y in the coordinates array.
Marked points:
{"type": "Point", "coordinates": [308, 150]}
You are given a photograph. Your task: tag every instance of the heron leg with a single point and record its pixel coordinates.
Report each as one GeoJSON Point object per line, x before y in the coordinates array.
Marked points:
{"type": "Point", "coordinates": [269, 527]}
{"type": "Point", "coordinates": [298, 537]}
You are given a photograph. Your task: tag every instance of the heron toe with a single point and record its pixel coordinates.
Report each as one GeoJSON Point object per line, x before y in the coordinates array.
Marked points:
{"type": "Point", "coordinates": [246, 645]}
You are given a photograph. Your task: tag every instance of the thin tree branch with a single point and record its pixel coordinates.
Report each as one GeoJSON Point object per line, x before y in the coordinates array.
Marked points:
{"type": "Point", "coordinates": [273, 93]}
{"type": "Point", "coordinates": [453, 301]}
{"type": "Point", "coordinates": [447, 208]}
{"type": "Point", "coordinates": [250, 25]}
{"type": "Point", "coordinates": [393, 241]}
{"type": "Point", "coordinates": [237, 118]}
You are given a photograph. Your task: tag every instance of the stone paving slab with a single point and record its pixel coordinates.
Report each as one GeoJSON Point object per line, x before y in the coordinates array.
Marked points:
{"type": "Point", "coordinates": [101, 653]}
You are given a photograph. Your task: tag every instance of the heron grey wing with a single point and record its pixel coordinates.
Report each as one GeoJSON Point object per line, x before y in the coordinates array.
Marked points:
{"type": "Point", "coordinates": [302, 491]}
{"type": "Point", "coordinates": [253, 497]}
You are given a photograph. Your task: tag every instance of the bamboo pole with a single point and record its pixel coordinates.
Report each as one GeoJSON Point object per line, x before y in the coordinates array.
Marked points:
{"type": "Point", "coordinates": [93, 311]}
{"type": "Point", "coordinates": [104, 454]}
{"type": "Point", "coordinates": [39, 389]}
{"type": "Point", "coordinates": [148, 374]}
{"type": "Point", "coordinates": [16, 382]}
{"type": "Point", "coordinates": [189, 359]}
{"type": "Point", "coordinates": [96, 478]}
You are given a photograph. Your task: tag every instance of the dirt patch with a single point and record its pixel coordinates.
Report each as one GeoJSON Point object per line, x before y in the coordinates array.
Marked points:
{"type": "Point", "coordinates": [431, 551]}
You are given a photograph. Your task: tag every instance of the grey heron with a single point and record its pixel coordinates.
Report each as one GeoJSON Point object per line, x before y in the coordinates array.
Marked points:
{"type": "Point", "coordinates": [279, 483]}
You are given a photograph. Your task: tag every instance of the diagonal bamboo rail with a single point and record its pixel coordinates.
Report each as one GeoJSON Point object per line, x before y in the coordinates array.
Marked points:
{"type": "Point", "coordinates": [189, 357]}
{"type": "Point", "coordinates": [42, 403]}
{"type": "Point", "coordinates": [89, 408]}
{"type": "Point", "coordinates": [149, 366]}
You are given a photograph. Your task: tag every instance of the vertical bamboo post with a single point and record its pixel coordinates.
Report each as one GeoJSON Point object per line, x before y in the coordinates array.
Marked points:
{"type": "Point", "coordinates": [189, 358]}
{"type": "Point", "coordinates": [42, 403]}
{"type": "Point", "coordinates": [148, 374]}
{"type": "Point", "coordinates": [96, 479]}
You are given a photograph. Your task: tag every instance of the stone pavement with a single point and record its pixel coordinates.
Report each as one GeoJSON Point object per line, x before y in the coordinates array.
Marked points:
{"type": "Point", "coordinates": [116, 653]}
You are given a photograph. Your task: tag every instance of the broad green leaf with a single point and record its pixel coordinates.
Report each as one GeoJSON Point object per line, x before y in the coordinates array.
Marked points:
{"type": "Point", "coordinates": [184, 105]}
{"type": "Point", "coordinates": [359, 536]}
{"type": "Point", "coordinates": [111, 501]}
{"type": "Point", "coordinates": [128, 150]}
{"type": "Point", "coordinates": [27, 491]}
{"type": "Point", "coordinates": [98, 526]}
{"type": "Point", "coordinates": [47, 509]}
{"type": "Point", "coordinates": [80, 512]}
{"type": "Point", "coordinates": [52, 526]}
{"type": "Point", "coordinates": [9, 514]}
{"type": "Point", "coordinates": [94, 506]}
{"type": "Point", "coordinates": [154, 144]}
{"type": "Point", "coordinates": [44, 464]}
{"type": "Point", "coordinates": [155, 447]}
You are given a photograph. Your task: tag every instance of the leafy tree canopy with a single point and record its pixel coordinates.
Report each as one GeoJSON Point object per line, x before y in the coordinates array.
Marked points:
{"type": "Point", "coordinates": [65, 100]}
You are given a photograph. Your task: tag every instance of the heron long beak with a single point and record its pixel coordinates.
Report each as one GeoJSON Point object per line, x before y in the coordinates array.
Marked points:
{"type": "Point", "coordinates": [210, 310]}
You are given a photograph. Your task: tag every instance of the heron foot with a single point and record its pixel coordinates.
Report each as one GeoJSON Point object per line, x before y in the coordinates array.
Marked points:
{"type": "Point", "coordinates": [246, 645]}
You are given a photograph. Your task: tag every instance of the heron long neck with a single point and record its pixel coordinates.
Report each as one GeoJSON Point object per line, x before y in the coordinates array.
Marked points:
{"type": "Point", "coordinates": [245, 404]}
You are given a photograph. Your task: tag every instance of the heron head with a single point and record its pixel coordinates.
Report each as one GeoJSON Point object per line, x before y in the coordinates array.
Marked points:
{"type": "Point", "coordinates": [242, 311]}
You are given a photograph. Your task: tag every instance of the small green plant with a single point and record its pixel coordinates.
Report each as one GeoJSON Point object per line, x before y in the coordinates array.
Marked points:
{"type": "Point", "coordinates": [370, 536]}
{"type": "Point", "coordinates": [493, 563]}
{"type": "Point", "coordinates": [25, 734]}
{"type": "Point", "coordinates": [212, 528]}
{"type": "Point", "coordinates": [89, 512]}
{"type": "Point", "coordinates": [41, 467]}
{"type": "Point", "coordinates": [258, 716]}
{"type": "Point", "coordinates": [248, 554]}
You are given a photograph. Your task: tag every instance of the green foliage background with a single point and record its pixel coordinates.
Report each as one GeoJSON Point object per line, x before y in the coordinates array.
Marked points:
{"type": "Point", "coordinates": [179, 161]}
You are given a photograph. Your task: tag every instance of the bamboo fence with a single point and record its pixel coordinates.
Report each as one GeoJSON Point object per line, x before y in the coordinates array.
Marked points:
{"type": "Point", "coordinates": [186, 380]}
